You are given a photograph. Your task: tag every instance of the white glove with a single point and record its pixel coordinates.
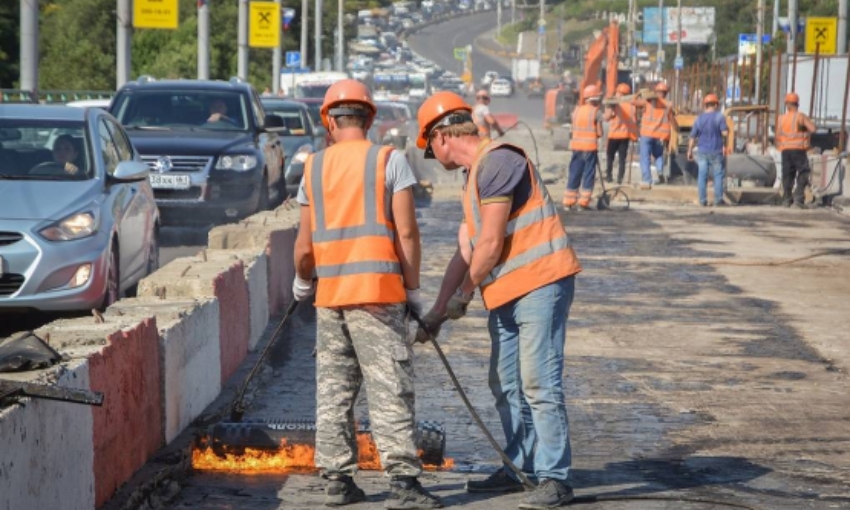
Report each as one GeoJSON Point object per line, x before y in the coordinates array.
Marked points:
{"type": "Point", "coordinates": [458, 304]}
{"type": "Point", "coordinates": [414, 301]}
{"type": "Point", "coordinates": [302, 289]}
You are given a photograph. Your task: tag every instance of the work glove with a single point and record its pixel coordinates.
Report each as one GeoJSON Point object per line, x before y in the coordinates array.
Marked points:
{"type": "Point", "coordinates": [458, 304]}
{"type": "Point", "coordinates": [432, 322]}
{"type": "Point", "coordinates": [414, 302]}
{"type": "Point", "coordinates": [302, 289]}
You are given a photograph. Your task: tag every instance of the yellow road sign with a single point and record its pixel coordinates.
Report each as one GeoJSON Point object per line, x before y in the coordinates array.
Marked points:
{"type": "Point", "coordinates": [155, 14]}
{"type": "Point", "coordinates": [264, 28]}
{"type": "Point", "coordinates": [466, 76]}
{"type": "Point", "coordinates": [823, 32]}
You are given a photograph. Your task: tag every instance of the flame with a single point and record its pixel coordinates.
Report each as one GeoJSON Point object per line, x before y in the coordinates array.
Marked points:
{"type": "Point", "coordinates": [288, 458]}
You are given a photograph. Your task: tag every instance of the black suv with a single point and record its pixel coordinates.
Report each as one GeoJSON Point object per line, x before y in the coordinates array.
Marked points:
{"type": "Point", "coordinates": [213, 152]}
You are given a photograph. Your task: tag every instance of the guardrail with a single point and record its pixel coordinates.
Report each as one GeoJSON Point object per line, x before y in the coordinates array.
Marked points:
{"type": "Point", "coordinates": [52, 96]}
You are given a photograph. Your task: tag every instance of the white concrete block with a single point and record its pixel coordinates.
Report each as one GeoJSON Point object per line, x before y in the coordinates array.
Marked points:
{"type": "Point", "coordinates": [46, 450]}
{"type": "Point", "coordinates": [257, 276]}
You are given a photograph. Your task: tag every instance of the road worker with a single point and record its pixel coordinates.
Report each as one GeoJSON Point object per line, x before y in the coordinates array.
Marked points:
{"type": "Point", "coordinates": [622, 128]}
{"type": "Point", "coordinates": [793, 140]}
{"type": "Point", "coordinates": [584, 143]}
{"type": "Point", "coordinates": [483, 118]}
{"type": "Point", "coordinates": [515, 250]}
{"type": "Point", "coordinates": [709, 135]}
{"type": "Point", "coordinates": [359, 234]}
{"type": "Point", "coordinates": [656, 123]}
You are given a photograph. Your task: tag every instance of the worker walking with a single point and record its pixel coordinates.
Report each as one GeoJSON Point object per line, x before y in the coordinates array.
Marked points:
{"type": "Point", "coordinates": [793, 140]}
{"type": "Point", "coordinates": [358, 232]}
{"type": "Point", "coordinates": [656, 123]}
{"type": "Point", "coordinates": [483, 118]}
{"type": "Point", "coordinates": [709, 135]}
{"type": "Point", "coordinates": [584, 143]}
{"type": "Point", "coordinates": [513, 247]}
{"type": "Point", "coordinates": [622, 128]}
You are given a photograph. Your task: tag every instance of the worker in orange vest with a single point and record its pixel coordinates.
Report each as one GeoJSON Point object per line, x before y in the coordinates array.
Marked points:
{"type": "Point", "coordinates": [622, 128]}
{"type": "Point", "coordinates": [656, 123]}
{"type": "Point", "coordinates": [519, 256]}
{"type": "Point", "coordinates": [359, 234]}
{"type": "Point", "coordinates": [793, 141]}
{"type": "Point", "coordinates": [584, 142]}
{"type": "Point", "coordinates": [483, 118]}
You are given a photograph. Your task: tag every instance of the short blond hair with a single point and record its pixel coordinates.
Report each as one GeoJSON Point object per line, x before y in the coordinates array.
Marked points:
{"type": "Point", "coordinates": [457, 130]}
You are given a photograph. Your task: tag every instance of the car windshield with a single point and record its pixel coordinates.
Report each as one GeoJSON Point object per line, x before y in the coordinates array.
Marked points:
{"type": "Point", "coordinates": [292, 119]}
{"type": "Point", "coordinates": [385, 112]}
{"type": "Point", "coordinates": [417, 82]}
{"type": "Point", "coordinates": [311, 90]}
{"type": "Point", "coordinates": [182, 109]}
{"type": "Point", "coordinates": [48, 150]}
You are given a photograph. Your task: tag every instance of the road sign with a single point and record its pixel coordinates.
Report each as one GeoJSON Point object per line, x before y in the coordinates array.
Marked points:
{"type": "Point", "coordinates": [155, 14]}
{"type": "Point", "coordinates": [460, 54]}
{"type": "Point", "coordinates": [821, 32]}
{"type": "Point", "coordinates": [697, 25]}
{"type": "Point", "coordinates": [264, 25]}
{"type": "Point", "coordinates": [293, 59]}
{"type": "Point", "coordinates": [748, 44]}
{"type": "Point", "coordinates": [678, 63]}
{"type": "Point", "coordinates": [288, 16]}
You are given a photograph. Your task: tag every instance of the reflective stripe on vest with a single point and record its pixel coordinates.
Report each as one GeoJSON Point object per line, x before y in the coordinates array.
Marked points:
{"type": "Point", "coordinates": [622, 126]}
{"type": "Point", "coordinates": [356, 262]}
{"type": "Point", "coordinates": [583, 136]}
{"type": "Point", "coordinates": [655, 122]}
{"type": "Point", "coordinates": [789, 136]}
{"type": "Point", "coordinates": [536, 250]}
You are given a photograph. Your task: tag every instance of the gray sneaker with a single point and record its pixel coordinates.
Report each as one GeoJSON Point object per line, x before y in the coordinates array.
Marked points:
{"type": "Point", "coordinates": [499, 481]}
{"type": "Point", "coordinates": [406, 493]}
{"type": "Point", "coordinates": [549, 494]}
{"type": "Point", "coordinates": [343, 491]}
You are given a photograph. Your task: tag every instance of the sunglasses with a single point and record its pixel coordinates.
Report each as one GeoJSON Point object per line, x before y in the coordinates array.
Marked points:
{"type": "Point", "coordinates": [449, 120]}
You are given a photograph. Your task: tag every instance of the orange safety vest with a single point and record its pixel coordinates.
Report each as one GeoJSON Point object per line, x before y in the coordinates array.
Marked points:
{"type": "Point", "coordinates": [583, 136]}
{"type": "Point", "coordinates": [623, 126]}
{"type": "Point", "coordinates": [655, 122]}
{"type": "Point", "coordinates": [788, 136]}
{"type": "Point", "coordinates": [536, 250]}
{"type": "Point", "coordinates": [353, 235]}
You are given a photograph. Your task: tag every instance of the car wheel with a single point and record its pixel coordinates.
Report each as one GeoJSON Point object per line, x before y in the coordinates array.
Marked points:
{"type": "Point", "coordinates": [112, 292]}
{"type": "Point", "coordinates": [263, 200]}
{"type": "Point", "coordinates": [153, 256]}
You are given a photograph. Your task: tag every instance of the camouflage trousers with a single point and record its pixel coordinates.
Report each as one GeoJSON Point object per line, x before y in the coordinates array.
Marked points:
{"type": "Point", "coordinates": [365, 344]}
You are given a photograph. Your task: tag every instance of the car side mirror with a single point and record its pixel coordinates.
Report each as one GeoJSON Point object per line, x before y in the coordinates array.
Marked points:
{"type": "Point", "coordinates": [274, 123]}
{"type": "Point", "coordinates": [131, 171]}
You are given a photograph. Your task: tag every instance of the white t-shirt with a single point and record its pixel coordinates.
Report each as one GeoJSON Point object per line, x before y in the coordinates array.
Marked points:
{"type": "Point", "coordinates": [480, 113]}
{"type": "Point", "coordinates": [398, 177]}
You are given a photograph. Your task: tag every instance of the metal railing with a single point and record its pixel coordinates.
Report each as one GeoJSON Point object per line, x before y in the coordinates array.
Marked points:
{"type": "Point", "coordinates": [52, 96]}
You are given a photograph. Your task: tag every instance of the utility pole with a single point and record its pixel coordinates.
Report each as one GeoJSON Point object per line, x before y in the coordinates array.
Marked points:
{"type": "Point", "coordinates": [678, 49]}
{"type": "Point", "coordinates": [759, 48]}
{"type": "Point", "coordinates": [277, 57]}
{"type": "Point", "coordinates": [775, 28]}
{"type": "Point", "coordinates": [498, 18]}
{"type": "Point", "coordinates": [630, 36]}
{"type": "Point", "coordinates": [29, 45]}
{"type": "Point", "coordinates": [660, 57]}
{"type": "Point", "coordinates": [541, 36]}
{"type": "Point", "coordinates": [204, 40]}
{"type": "Point", "coordinates": [792, 26]}
{"type": "Point", "coordinates": [122, 43]}
{"type": "Point", "coordinates": [842, 27]}
{"type": "Point", "coordinates": [340, 37]}
{"type": "Point", "coordinates": [305, 23]}
{"type": "Point", "coordinates": [317, 35]}
{"type": "Point", "coordinates": [513, 12]}
{"type": "Point", "coordinates": [242, 40]}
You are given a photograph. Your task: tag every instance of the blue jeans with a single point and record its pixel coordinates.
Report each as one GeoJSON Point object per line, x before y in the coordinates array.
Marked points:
{"type": "Point", "coordinates": [582, 170]}
{"type": "Point", "coordinates": [526, 377]}
{"type": "Point", "coordinates": [651, 148]}
{"type": "Point", "coordinates": [717, 163]}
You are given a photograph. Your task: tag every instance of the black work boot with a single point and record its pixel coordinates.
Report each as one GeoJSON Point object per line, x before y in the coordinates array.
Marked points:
{"type": "Point", "coordinates": [499, 481]}
{"type": "Point", "coordinates": [406, 493]}
{"type": "Point", "coordinates": [342, 490]}
{"type": "Point", "coordinates": [549, 494]}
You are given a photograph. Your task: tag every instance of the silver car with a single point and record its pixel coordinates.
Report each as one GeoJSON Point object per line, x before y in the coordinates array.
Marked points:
{"type": "Point", "coordinates": [78, 221]}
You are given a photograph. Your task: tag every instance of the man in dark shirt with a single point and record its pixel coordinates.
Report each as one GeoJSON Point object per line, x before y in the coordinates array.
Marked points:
{"type": "Point", "coordinates": [709, 135]}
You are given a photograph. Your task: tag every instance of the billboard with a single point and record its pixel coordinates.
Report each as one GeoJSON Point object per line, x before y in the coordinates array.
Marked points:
{"type": "Point", "coordinates": [697, 25]}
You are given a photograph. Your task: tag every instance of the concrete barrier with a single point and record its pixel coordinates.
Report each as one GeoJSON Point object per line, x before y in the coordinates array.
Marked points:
{"type": "Point", "coordinates": [151, 357]}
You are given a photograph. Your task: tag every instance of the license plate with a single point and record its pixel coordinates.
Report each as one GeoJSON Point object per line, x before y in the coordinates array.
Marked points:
{"type": "Point", "coordinates": [170, 181]}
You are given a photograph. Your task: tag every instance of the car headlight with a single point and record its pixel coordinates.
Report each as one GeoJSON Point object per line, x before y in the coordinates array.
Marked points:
{"type": "Point", "coordinates": [301, 154]}
{"type": "Point", "coordinates": [76, 226]}
{"type": "Point", "coordinates": [238, 162]}
{"type": "Point", "coordinates": [393, 132]}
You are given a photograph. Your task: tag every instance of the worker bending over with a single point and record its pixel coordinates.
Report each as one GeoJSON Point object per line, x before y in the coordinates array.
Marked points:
{"type": "Point", "coordinates": [359, 233]}
{"type": "Point", "coordinates": [656, 123]}
{"type": "Point", "coordinates": [622, 128]}
{"type": "Point", "coordinates": [584, 143]}
{"type": "Point", "coordinates": [515, 250]}
{"type": "Point", "coordinates": [793, 140]}
{"type": "Point", "coordinates": [483, 118]}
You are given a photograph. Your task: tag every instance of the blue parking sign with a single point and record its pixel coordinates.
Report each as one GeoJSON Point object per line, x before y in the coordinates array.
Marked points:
{"type": "Point", "coordinates": [293, 59]}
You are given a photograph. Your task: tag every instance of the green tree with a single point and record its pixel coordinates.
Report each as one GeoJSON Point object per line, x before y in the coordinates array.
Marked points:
{"type": "Point", "coordinates": [10, 16]}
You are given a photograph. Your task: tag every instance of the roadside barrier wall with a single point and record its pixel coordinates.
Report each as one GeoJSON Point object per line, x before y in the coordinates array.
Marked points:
{"type": "Point", "coordinates": [159, 359]}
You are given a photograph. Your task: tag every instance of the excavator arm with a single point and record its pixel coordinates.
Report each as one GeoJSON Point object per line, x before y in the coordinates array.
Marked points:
{"type": "Point", "coordinates": [606, 49]}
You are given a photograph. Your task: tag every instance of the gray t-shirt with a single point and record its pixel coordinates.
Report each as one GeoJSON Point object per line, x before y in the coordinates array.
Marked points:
{"type": "Point", "coordinates": [503, 177]}
{"type": "Point", "coordinates": [398, 176]}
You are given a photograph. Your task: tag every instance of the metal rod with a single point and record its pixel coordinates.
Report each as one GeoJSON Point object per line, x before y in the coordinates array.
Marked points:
{"type": "Point", "coordinates": [814, 80]}
{"type": "Point", "coordinates": [843, 137]}
{"type": "Point", "coordinates": [779, 86]}
{"type": "Point", "coordinates": [794, 71]}
{"type": "Point", "coordinates": [317, 35]}
{"type": "Point", "coordinates": [759, 49]}
{"type": "Point", "coordinates": [242, 36]}
{"type": "Point", "coordinates": [340, 37]}
{"type": "Point", "coordinates": [123, 35]}
{"type": "Point", "coordinates": [277, 58]}
{"type": "Point", "coordinates": [29, 47]}
{"type": "Point", "coordinates": [735, 81]}
{"type": "Point", "coordinates": [842, 27]}
{"type": "Point", "coordinates": [305, 25]}
{"type": "Point", "coordinates": [204, 40]}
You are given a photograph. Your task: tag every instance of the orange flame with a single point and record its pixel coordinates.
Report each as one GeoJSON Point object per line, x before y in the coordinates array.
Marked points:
{"type": "Point", "coordinates": [288, 458]}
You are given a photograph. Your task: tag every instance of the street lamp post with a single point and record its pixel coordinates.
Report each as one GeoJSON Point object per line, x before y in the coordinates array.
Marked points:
{"type": "Point", "coordinates": [660, 57]}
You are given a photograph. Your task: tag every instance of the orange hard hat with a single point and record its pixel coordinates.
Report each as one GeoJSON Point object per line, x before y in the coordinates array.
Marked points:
{"type": "Point", "coordinates": [792, 97]}
{"type": "Point", "coordinates": [591, 92]}
{"type": "Point", "coordinates": [346, 91]}
{"type": "Point", "coordinates": [624, 88]}
{"type": "Point", "coordinates": [662, 87]}
{"type": "Point", "coordinates": [711, 98]}
{"type": "Point", "coordinates": [435, 108]}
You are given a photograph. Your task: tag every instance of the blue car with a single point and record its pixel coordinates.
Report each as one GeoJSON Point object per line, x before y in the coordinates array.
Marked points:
{"type": "Point", "coordinates": [78, 222]}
